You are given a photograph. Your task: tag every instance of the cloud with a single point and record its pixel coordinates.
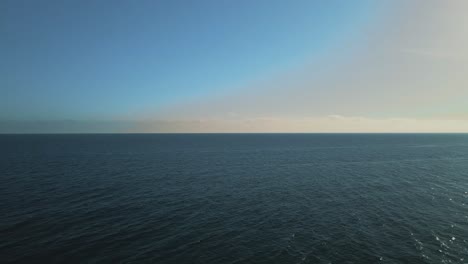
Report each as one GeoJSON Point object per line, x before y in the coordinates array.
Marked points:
{"type": "Point", "coordinates": [331, 123]}
{"type": "Point", "coordinates": [324, 124]}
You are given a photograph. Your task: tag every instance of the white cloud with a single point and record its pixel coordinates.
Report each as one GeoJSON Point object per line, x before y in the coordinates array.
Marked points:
{"type": "Point", "coordinates": [331, 123]}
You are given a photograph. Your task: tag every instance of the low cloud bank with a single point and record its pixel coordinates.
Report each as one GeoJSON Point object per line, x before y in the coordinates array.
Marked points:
{"type": "Point", "coordinates": [331, 123]}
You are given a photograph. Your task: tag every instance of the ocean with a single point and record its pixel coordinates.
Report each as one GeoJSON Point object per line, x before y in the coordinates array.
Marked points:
{"type": "Point", "coordinates": [234, 198]}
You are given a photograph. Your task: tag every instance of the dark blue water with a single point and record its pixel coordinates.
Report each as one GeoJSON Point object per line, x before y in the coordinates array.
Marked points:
{"type": "Point", "coordinates": [227, 198]}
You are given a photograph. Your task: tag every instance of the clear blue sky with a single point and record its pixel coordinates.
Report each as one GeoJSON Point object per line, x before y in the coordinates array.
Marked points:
{"type": "Point", "coordinates": [103, 59]}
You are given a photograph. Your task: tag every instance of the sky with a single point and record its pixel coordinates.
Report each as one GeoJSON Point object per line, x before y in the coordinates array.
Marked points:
{"type": "Point", "coordinates": [233, 66]}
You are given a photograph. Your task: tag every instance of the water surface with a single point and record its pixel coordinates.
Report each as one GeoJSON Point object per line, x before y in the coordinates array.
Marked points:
{"type": "Point", "coordinates": [234, 198]}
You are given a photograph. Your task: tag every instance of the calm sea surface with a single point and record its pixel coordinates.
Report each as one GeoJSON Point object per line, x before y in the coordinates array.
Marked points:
{"type": "Point", "coordinates": [234, 198]}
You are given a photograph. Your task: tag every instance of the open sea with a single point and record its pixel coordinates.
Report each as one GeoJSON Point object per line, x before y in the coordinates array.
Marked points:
{"type": "Point", "coordinates": [234, 198]}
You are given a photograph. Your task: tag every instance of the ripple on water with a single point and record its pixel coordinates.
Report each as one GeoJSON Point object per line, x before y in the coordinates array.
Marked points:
{"type": "Point", "coordinates": [234, 199]}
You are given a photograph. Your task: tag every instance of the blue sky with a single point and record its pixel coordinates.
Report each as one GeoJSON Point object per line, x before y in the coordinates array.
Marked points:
{"type": "Point", "coordinates": [101, 61]}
